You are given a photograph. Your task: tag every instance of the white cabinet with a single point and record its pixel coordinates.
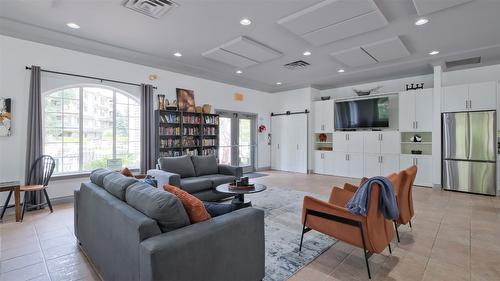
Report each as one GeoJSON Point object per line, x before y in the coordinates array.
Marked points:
{"type": "Point", "coordinates": [323, 116]}
{"type": "Point", "coordinates": [470, 97]}
{"type": "Point", "coordinates": [289, 143]}
{"type": "Point", "coordinates": [323, 162]}
{"type": "Point", "coordinates": [347, 164]}
{"type": "Point", "coordinates": [382, 142]}
{"type": "Point", "coordinates": [415, 111]}
{"type": "Point", "coordinates": [424, 167]}
{"type": "Point", "coordinates": [348, 141]}
{"type": "Point", "coordinates": [380, 164]}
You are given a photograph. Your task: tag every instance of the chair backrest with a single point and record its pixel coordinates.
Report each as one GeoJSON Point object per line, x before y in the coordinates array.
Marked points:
{"type": "Point", "coordinates": [405, 199]}
{"type": "Point", "coordinates": [41, 171]}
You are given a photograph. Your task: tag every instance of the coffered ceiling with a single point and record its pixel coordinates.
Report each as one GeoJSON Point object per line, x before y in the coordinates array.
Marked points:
{"type": "Point", "coordinates": [368, 39]}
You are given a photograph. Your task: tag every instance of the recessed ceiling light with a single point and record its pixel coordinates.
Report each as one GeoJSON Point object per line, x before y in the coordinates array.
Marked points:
{"type": "Point", "coordinates": [73, 25]}
{"type": "Point", "coordinates": [421, 21]}
{"type": "Point", "coordinates": [307, 53]}
{"type": "Point", "coordinates": [340, 71]}
{"type": "Point", "coordinates": [278, 83]}
{"type": "Point", "coordinates": [177, 54]}
{"type": "Point", "coordinates": [435, 52]}
{"type": "Point", "coordinates": [239, 71]}
{"type": "Point", "coordinates": [245, 21]}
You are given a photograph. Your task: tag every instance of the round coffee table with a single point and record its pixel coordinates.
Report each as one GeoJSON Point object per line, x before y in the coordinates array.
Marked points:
{"type": "Point", "coordinates": [239, 195]}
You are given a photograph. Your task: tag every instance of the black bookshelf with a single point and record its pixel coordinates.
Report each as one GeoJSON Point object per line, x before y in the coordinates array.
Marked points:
{"type": "Point", "coordinates": [186, 133]}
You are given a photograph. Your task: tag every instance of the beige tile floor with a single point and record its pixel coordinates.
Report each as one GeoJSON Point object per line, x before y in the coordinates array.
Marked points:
{"type": "Point", "coordinates": [455, 237]}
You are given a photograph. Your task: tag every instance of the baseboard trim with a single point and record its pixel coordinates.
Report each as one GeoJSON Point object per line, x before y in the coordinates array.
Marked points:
{"type": "Point", "coordinates": [267, 168]}
{"type": "Point", "coordinates": [54, 201]}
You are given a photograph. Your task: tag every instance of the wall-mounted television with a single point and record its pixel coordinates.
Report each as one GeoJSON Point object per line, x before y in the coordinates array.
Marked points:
{"type": "Point", "coordinates": [365, 113]}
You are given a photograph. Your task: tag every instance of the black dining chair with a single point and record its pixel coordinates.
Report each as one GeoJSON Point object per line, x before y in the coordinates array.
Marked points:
{"type": "Point", "coordinates": [40, 174]}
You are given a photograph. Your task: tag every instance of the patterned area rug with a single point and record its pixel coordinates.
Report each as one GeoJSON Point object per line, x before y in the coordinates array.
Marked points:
{"type": "Point", "coordinates": [283, 210]}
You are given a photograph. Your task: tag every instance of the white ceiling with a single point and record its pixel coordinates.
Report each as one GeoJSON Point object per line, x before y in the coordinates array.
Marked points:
{"type": "Point", "coordinates": [280, 32]}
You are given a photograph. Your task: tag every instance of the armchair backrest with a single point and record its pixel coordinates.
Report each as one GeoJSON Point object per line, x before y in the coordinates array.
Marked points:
{"type": "Point", "coordinates": [404, 192]}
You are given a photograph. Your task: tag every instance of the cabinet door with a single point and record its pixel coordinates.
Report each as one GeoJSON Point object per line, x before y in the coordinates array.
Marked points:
{"type": "Point", "coordinates": [318, 116]}
{"type": "Point", "coordinates": [389, 164]}
{"type": "Point", "coordinates": [424, 172]}
{"type": "Point", "coordinates": [340, 142]}
{"type": "Point", "coordinates": [318, 162]}
{"type": "Point", "coordinates": [407, 112]}
{"type": "Point", "coordinates": [328, 163]}
{"type": "Point", "coordinates": [390, 142]}
{"type": "Point", "coordinates": [328, 117]}
{"type": "Point", "coordinates": [355, 140]}
{"type": "Point", "coordinates": [483, 96]}
{"type": "Point", "coordinates": [276, 138]}
{"type": "Point", "coordinates": [372, 142]}
{"type": "Point", "coordinates": [355, 163]}
{"type": "Point", "coordinates": [455, 98]}
{"type": "Point", "coordinates": [423, 110]}
{"type": "Point", "coordinates": [298, 124]}
{"type": "Point", "coordinates": [372, 165]}
{"type": "Point", "coordinates": [405, 161]}
{"type": "Point", "coordinates": [340, 167]}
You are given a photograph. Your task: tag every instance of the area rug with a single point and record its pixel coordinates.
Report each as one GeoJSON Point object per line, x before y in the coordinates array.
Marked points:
{"type": "Point", "coordinates": [283, 210]}
{"type": "Point", "coordinates": [255, 175]}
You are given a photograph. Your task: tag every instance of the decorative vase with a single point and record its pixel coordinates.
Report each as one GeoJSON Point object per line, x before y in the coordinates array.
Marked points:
{"type": "Point", "coordinates": [198, 109]}
{"type": "Point", "coordinates": [161, 102]}
{"type": "Point", "coordinates": [207, 108]}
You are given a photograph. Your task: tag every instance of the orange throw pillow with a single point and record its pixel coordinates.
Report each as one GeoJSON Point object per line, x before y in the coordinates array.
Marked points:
{"type": "Point", "coordinates": [193, 206]}
{"type": "Point", "coordinates": [126, 172]}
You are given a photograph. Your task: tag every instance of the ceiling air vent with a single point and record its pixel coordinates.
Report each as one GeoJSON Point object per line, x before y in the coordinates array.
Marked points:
{"type": "Point", "coordinates": [297, 65]}
{"type": "Point", "coordinates": [152, 8]}
{"type": "Point", "coordinates": [462, 62]}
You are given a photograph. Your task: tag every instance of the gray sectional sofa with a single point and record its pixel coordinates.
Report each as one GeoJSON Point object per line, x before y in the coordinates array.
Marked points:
{"type": "Point", "coordinates": [198, 175]}
{"type": "Point", "coordinates": [133, 231]}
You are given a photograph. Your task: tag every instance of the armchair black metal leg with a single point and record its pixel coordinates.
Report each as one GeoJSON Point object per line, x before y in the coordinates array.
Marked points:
{"type": "Point", "coordinates": [410, 224]}
{"type": "Point", "coordinates": [365, 252]}
{"type": "Point", "coordinates": [25, 202]}
{"type": "Point", "coordinates": [397, 232]}
{"type": "Point", "coordinates": [390, 249]}
{"type": "Point", "coordinates": [48, 200]}
{"type": "Point", "coordinates": [303, 232]}
{"type": "Point", "coordinates": [6, 204]}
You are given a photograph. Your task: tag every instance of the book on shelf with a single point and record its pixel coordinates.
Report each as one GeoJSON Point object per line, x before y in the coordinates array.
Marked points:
{"type": "Point", "coordinates": [211, 120]}
{"type": "Point", "coordinates": [210, 131]}
{"type": "Point", "coordinates": [170, 118]}
{"type": "Point", "coordinates": [191, 119]}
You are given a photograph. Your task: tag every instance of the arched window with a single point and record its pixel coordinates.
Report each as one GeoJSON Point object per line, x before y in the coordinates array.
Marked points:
{"type": "Point", "coordinates": [89, 127]}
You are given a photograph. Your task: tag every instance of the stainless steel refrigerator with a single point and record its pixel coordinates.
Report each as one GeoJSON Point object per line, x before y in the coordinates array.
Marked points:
{"type": "Point", "coordinates": [469, 152]}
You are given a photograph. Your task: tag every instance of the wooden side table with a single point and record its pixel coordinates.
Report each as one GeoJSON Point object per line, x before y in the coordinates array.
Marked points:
{"type": "Point", "coordinates": [13, 186]}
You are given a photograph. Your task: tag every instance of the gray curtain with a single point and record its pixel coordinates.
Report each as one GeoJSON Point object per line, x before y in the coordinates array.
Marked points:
{"type": "Point", "coordinates": [34, 145]}
{"type": "Point", "coordinates": [148, 157]}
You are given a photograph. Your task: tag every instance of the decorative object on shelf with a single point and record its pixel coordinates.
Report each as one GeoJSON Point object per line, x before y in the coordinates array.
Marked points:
{"type": "Point", "coordinates": [322, 137]}
{"type": "Point", "coordinates": [207, 108]}
{"type": "Point", "coordinates": [185, 100]}
{"type": "Point", "coordinates": [170, 105]}
{"type": "Point", "coordinates": [416, 138]}
{"type": "Point", "coordinates": [325, 148]}
{"type": "Point", "coordinates": [199, 109]}
{"type": "Point", "coordinates": [262, 128]}
{"type": "Point", "coordinates": [367, 92]}
{"type": "Point", "coordinates": [325, 98]}
{"type": "Point", "coordinates": [238, 96]}
{"type": "Point", "coordinates": [161, 102]}
{"type": "Point", "coordinates": [152, 77]}
{"type": "Point", "coordinates": [412, 86]}
{"type": "Point", "coordinates": [5, 117]}
{"type": "Point", "coordinates": [417, 151]}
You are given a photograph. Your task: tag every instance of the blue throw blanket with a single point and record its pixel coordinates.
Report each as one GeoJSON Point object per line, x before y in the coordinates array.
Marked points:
{"type": "Point", "coordinates": [387, 200]}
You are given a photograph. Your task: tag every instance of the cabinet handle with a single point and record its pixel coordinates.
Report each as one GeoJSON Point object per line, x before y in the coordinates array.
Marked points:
{"type": "Point", "coordinates": [470, 104]}
{"type": "Point", "coordinates": [416, 124]}
{"type": "Point", "coordinates": [348, 137]}
{"type": "Point", "coordinates": [297, 146]}
{"type": "Point", "coordinates": [278, 146]}
{"type": "Point", "coordinates": [416, 161]}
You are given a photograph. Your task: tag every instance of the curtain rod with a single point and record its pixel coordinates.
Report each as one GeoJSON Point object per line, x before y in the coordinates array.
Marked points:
{"type": "Point", "coordinates": [88, 77]}
{"type": "Point", "coordinates": [290, 113]}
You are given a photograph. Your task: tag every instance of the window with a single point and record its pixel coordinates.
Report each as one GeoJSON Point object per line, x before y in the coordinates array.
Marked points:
{"type": "Point", "coordinates": [86, 126]}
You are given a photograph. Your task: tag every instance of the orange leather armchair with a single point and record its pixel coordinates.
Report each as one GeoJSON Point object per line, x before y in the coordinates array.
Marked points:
{"type": "Point", "coordinates": [372, 233]}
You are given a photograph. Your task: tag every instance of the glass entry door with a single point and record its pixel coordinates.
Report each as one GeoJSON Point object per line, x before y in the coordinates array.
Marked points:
{"type": "Point", "coordinates": [237, 140]}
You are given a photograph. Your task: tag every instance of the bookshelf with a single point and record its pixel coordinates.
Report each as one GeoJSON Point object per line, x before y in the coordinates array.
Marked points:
{"type": "Point", "coordinates": [186, 133]}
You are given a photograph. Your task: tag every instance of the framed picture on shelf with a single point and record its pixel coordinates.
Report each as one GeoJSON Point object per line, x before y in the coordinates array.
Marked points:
{"type": "Point", "coordinates": [5, 117]}
{"type": "Point", "coordinates": [185, 100]}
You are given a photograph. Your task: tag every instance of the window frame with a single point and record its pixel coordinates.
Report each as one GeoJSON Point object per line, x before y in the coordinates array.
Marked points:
{"type": "Point", "coordinates": [81, 171]}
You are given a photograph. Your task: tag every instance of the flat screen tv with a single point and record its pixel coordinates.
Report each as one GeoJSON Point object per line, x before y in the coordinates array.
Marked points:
{"type": "Point", "coordinates": [366, 113]}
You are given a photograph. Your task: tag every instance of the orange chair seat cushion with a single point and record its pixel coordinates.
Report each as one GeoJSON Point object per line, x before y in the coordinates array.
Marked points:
{"type": "Point", "coordinates": [194, 207]}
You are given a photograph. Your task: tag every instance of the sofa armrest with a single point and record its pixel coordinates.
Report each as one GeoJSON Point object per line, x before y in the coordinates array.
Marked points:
{"type": "Point", "coordinates": [230, 170]}
{"type": "Point", "coordinates": [228, 247]}
{"type": "Point", "coordinates": [163, 177]}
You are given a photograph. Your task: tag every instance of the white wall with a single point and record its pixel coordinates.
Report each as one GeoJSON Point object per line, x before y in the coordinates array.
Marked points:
{"type": "Point", "coordinates": [15, 54]}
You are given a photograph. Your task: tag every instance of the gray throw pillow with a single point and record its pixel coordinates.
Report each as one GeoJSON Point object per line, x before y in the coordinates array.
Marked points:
{"type": "Point", "coordinates": [162, 206]}
{"type": "Point", "coordinates": [116, 184]}
{"type": "Point", "coordinates": [205, 165]}
{"type": "Point", "coordinates": [182, 165]}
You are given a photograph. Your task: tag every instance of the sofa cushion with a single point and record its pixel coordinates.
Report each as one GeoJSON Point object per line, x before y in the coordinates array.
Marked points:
{"type": "Point", "coordinates": [194, 207]}
{"type": "Point", "coordinates": [164, 207]}
{"type": "Point", "coordinates": [195, 184]}
{"type": "Point", "coordinates": [182, 165]}
{"type": "Point", "coordinates": [116, 184]}
{"type": "Point", "coordinates": [97, 176]}
{"type": "Point", "coordinates": [218, 179]}
{"type": "Point", "coordinates": [205, 165]}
